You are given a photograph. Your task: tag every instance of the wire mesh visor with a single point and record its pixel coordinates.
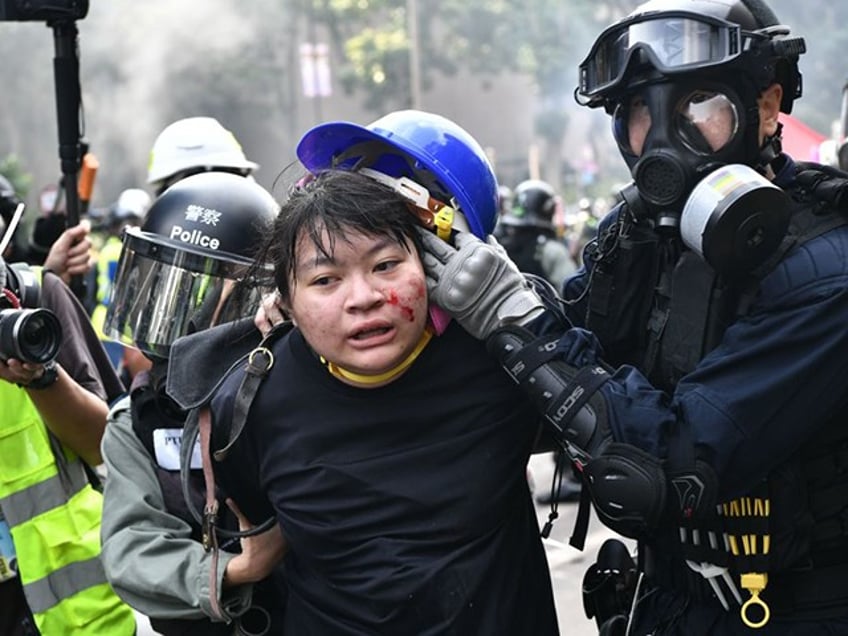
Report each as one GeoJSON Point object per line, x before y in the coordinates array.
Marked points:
{"type": "Point", "coordinates": [164, 289]}
{"type": "Point", "coordinates": [672, 42]}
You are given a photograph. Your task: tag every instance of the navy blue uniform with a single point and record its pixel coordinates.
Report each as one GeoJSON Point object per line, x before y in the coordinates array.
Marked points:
{"type": "Point", "coordinates": [406, 507]}
{"type": "Point", "coordinates": [776, 380]}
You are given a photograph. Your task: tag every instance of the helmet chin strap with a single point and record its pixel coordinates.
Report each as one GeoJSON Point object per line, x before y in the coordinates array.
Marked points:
{"type": "Point", "coordinates": [363, 380]}
{"type": "Point", "coordinates": [771, 148]}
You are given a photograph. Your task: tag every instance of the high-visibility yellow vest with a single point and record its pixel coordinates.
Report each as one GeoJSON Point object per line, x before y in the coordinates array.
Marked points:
{"type": "Point", "coordinates": [107, 266]}
{"type": "Point", "coordinates": [54, 515]}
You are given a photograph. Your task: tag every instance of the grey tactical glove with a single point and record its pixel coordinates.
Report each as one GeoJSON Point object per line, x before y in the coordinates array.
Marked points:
{"type": "Point", "coordinates": [477, 284]}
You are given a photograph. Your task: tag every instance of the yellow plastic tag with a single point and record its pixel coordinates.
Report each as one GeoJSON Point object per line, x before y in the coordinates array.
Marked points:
{"type": "Point", "coordinates": [443, 221]}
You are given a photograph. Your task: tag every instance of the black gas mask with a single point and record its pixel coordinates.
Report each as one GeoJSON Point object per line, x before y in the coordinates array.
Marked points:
{"type": "Point", "coordinates": [673, 135]}
{"type": "Point", "coordinates": [696, 71]}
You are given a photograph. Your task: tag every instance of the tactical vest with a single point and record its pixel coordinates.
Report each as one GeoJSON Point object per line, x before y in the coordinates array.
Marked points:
{"type": "Point", "coordinates": [152, 410]}
{"type": "Point", "coordinates": [54, 517]}
{"type": "Point", "coordinates": [666, 333]}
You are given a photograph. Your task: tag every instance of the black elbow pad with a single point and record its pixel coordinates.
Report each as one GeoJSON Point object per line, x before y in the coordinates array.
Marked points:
{"type": "Point", "coordinates": [628, 487]}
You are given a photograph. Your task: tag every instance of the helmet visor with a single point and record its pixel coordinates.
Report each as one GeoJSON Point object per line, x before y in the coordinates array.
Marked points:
{"type": "Point", "coordinates": [671, 42]}
{"type": "Point", "coordinates": [163, 291]}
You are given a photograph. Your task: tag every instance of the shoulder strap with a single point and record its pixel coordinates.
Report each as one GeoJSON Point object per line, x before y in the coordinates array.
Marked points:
{"type": "Point", "coordinates": [198, 423]}
{"type": "Point", "coordinates": [217, 351]}
{"type": "Point", "coordinates": [259, 363]}
{"type": "Point", "coordinates": [804, 225]}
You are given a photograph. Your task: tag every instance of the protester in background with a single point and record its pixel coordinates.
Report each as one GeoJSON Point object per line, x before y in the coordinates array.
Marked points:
{"type": "Point", "coordinates": [378, 419]}
{"type": "Point", "coordinates": [51, 422]}
{"type": "Point", "coordinates": [167, 285]}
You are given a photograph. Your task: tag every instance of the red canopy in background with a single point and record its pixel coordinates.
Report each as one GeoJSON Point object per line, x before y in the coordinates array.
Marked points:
{"type": "Point", "coordinates": [799, 140]}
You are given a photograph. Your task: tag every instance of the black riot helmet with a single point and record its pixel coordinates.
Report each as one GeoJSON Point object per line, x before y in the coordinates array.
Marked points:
{"type": "Point", "coordinates": [695, 69]}
{"type": "Point", "coordinates": [199, 234]}
{"type": "Point", "coordinates": [533, 204]}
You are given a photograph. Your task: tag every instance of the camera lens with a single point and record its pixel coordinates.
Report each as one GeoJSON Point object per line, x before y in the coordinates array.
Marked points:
{"type": "Point", "coordinates": [30, 335]}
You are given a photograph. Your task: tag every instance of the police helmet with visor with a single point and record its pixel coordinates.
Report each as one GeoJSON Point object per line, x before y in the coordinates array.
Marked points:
{"type": "Point", "coordinates": [534, 203]}
{"type": "Point", "coordinates": [174, 271]}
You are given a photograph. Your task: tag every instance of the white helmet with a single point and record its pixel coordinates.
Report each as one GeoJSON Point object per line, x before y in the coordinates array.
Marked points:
{"type": "Point", "coordinates": [195, 144]}
{"type": "Point", "coordinates": [131, 206]}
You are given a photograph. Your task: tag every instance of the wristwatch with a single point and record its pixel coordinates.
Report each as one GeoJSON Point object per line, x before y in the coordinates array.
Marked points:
{"type": "Point", "coordinates": [47, 379]}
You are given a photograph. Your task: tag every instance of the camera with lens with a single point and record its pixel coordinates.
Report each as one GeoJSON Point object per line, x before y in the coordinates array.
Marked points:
{"type": "Point", "coordinates": [46, 10]}
{"type": "Point", "coordinates": [27, 332]}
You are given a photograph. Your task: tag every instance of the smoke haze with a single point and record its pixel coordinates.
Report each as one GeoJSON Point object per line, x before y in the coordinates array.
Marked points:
{"type": "Point", "coordinates": [145, 64]}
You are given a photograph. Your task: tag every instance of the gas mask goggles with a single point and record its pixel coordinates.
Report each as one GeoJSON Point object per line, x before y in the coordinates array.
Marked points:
{"type": "Point", "coordinates": [165, 289]}
{"type": "Point", "coordinates": [671, 42]}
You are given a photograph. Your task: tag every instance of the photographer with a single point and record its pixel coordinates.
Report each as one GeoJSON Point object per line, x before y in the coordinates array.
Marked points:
{"type": "Point", "coordinates": [54, 407]}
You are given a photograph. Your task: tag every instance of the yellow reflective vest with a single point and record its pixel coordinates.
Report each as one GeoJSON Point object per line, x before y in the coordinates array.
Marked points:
{"type": "Point", "coordinates": [107, 266]}
{"type": "Point", "coordinates": [53, 515]}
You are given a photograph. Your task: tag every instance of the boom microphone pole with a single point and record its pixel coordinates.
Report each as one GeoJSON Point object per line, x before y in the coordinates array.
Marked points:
{"type": "Point", "coordinates": [68, 106]}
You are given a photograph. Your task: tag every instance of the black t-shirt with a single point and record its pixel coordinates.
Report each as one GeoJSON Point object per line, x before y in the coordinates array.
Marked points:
{"type": "Point", "coordinates": [406, 507]}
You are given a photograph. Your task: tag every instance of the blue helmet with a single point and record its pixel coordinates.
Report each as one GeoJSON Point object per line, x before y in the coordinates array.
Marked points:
{"type": "Point", "coordinates": [426, 148]}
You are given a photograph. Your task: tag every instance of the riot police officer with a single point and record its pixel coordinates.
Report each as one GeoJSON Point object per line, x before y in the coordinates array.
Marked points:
{"type": "Point", "coordinates": [175, 275]}
{"type": "Point", "coordinates": [702, 396]}
{"type": "Point", "coordinates": [723, 296]}
{"type": "Point", "coordinates": [528, 234]}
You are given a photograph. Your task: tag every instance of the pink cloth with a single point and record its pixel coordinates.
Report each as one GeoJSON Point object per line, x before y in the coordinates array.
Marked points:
{"type": "Point", "coordinates": [439, 318]}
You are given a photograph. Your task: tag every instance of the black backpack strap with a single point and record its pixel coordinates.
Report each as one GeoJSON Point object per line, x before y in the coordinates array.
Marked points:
{"type": "Point", "coordinates": [217, 351]}
{"type": "Point", "coordinates": [259, 362]}
{"type": "Point", "coordinates": [198, 424]}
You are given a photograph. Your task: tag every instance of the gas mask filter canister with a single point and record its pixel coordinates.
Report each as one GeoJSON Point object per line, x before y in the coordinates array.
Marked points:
{"type": "Point", "coordinates": [734, 219]}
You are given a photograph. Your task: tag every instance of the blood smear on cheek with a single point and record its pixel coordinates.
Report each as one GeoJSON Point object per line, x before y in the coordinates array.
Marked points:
{"type": "Point", "coordinates": [405, 310]}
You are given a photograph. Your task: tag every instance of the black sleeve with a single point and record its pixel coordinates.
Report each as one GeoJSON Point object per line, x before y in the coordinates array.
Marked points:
{"type": "Point", "coordinates": [81, 354]}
